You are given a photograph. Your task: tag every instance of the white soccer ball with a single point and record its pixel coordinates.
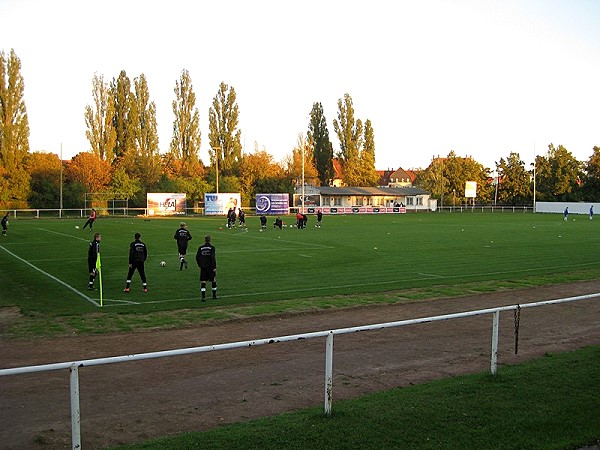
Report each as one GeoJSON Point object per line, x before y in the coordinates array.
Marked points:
{"type": "Point", "coordinates": [163, 264]}
{"type": "Point", "coordinates": [77, 226]}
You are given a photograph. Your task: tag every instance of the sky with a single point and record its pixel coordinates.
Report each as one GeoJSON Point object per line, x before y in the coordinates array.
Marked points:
{"type": "Point", "coordinates": [483, 78]}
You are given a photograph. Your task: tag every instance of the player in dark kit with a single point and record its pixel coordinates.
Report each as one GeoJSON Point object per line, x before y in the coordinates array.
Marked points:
{"type": "Point", "coordinates": [93, 253]}
{"type": "Point", "coordinates": [207, 261]}
{"type": "Point", "coordinates": [5, 224]}
{"type": "Point", "coordinates": [263, 222]}
{"type": "Point", "coordinates": [278, 223]}
{"type": "Point", "coordinates": [183, 236]}
{"type": "Point", "coordinates": [319, 219]}
{"type": "Point", "coordinates": [137, 255]}
{"type": "Point", "coordinates": [242, 218]}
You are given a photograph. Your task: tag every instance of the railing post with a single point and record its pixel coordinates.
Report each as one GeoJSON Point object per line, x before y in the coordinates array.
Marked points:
{"type": "Point", "coordinates": [75, 413]}
{"type": "Point", "coordinates": [495, 326]}
{"type": "Point", "coordinates": [329, 373]}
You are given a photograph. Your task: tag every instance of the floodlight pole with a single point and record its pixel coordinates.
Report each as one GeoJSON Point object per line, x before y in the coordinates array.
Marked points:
{"type": "Point", "coordinates": [534, 164]}
{"type": "Point", "coordinates": [217, 166]}
{"type": "Point", "coordinates": [61, 182]}
{"type": "Point", "coordinates": [302, 179]}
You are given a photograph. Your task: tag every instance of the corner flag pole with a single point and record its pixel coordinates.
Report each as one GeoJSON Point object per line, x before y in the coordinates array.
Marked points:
{"type": "Point", "coordinates": [99, 268]}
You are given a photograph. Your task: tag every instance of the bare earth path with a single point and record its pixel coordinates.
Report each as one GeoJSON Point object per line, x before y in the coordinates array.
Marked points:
{"type": "Point", "coordinates": [130, 402]}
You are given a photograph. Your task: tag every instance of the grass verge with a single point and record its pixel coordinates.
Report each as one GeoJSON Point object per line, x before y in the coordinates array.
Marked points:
{"type": "Point", "coordinates": [548, 403]}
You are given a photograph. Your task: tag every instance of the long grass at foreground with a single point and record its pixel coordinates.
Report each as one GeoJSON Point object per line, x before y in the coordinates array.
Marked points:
{"type": "Point", "coordinates": [548, 403]}
{"type": "Point", "coordinates": [350, 261]}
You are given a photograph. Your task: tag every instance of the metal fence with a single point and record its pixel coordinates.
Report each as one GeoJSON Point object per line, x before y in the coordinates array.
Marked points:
{"type": "Point", "coordinates": [74, 366]}
{"type": "Point", "coordinates": [81, 213]}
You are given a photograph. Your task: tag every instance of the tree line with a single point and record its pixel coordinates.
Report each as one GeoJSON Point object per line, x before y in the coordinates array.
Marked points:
{"type": "Point", "coordinates": [124, 156]}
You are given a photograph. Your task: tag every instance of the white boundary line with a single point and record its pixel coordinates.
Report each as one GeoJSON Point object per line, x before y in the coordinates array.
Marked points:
{"type": "Point", "coordinates": [92, 301]}
{"type": "Point", "coordinates": [63, 234]}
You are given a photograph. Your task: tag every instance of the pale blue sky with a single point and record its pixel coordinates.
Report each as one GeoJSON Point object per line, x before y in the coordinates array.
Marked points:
{"type": "Point", "coordinates": [482, 78]}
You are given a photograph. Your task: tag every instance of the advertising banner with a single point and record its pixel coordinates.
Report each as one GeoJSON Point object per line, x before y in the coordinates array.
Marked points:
{"type": "Point", "coordinates": [165, 204]}
{"type": "Point", "coordinates": [309, 200]}
{"type": "Point", "coordinates": [219, 204]}
{"type": "Point", "coordinates": [470, 189]}
{"type": "Point", "coordinates": [276, 204]}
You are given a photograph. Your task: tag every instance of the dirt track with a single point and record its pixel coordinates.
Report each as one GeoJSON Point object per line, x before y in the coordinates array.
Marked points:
{"type": "Point", "coordinates": [129, 402]}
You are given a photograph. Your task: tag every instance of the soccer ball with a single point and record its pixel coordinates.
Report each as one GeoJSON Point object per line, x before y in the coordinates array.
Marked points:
{"type": "Point", "coordinates": [77, 226]}
{"type": "Point", "coordinates": [163, 264]}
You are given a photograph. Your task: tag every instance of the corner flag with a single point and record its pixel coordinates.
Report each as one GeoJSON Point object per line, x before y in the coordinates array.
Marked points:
{"type": "Point", "coordinates": [99, 269]}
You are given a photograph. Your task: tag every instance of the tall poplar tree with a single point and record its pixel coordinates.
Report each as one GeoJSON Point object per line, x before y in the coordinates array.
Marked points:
{"type": "Point", "coordinates": [14, 132]}
{"type": "Point", "coordinates": [224, 136]}
{"type": "Point", "coordinates": [101, 132]}
{"type": "Point", "coordinates": [124, 104]}
{"type": "Point", "coordinates": [185, 143]}
{"type": "Point", "coordinates": [368, 173]}
{"type": "Point", "coordinates": [322, 149]}
{"type": "Point", "coordinates": [350, 134]}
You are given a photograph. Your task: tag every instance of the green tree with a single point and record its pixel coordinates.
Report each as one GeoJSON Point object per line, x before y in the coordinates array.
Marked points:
{"type": "Point", "coordinates": [224, 136]}
{"type": "Point", "coordinates": [514, 181]}
{"type": "Point", "coordinates": [433, 180]}
{"type": "Point", "coordinates": [101, 132]}
{"type": "Point", "coordinates": [44, 172]}
{"type": "Point", "coordinates": [350, 135]}
{"type": "Point", "coordinates": [591, 185]}
{"type": "Point", "coordinates": [369, 175]}
{"type": "Point", "coordinates": [124, 103]}
{"type": "Point", "coordinates": [185, 143]}
{"type": "Point", "coordinates": [124, 184]}
{"type": "Point", "coordinates": [322, 149]}
{"type": "Point", "coordinates": [143, 161]}
{"type": "Point", "coordinates": [446, 178]}
{"type": "Point", "coordinates": [558, 175]}
{"type": "Point", "coordinates": [14, 133]}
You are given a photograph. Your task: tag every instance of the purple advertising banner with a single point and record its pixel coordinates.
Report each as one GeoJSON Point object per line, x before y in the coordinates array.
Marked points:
{"type": "Point", "coordinates": [275, 204]}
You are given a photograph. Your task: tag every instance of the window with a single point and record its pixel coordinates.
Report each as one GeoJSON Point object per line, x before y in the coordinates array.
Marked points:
{"type": "Point", "coordinates": [337, 201]}
{"type": "Point", "coordinates": [409, 201]}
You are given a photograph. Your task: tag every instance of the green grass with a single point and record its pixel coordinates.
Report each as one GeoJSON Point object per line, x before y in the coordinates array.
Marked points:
{"type": "Point", "coordinates": [350, 261]}
{"type": "Point", "coordinates": [549, 403]}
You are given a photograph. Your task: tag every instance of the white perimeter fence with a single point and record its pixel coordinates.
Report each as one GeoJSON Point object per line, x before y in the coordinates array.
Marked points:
{"type": "Point", "coordinates": [74, 366]}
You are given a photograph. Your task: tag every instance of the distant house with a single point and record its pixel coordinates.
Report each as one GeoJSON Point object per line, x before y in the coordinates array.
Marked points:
{"type": "Point", "coordinates": [396, 178]}
{"type": "Point", "coordinates": [348, 199]}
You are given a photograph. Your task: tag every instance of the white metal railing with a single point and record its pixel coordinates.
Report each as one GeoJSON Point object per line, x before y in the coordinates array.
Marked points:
{"type": "Point", "coordinates": [74, 366]}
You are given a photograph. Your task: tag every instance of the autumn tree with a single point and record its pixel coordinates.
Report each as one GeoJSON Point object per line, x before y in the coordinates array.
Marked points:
{"type": "Point", "coordinates": [294, 165]}
{"type": "Point", "coordinates": [514, 181]}
{"type": "Point", "coordinates": [89, 170]}
{"type": "Point", "coordinates": [322, 149]}
{"type": "Point", "coordinates": [258, 171]}
{"type": "Point", "coordinates": [99, 119]}
{"type": "Point", "coordinates": [185, 143]}
{"type": "Point", "coordinates": [224, 136]}
{"type": "Point", "coordinates": [14, 133]}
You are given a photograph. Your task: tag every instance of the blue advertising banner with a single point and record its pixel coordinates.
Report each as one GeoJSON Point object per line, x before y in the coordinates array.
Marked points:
{"type": "Point", "coordinates": [219, 204]}
{"type": "Point", "coordinates": [275, 204]}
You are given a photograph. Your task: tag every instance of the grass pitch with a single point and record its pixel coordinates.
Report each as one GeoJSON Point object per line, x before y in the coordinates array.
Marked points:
{"type": "Point", "coordinates": [351, 258]}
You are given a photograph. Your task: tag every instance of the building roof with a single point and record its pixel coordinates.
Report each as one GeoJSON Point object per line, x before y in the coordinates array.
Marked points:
{"type": "Point", "coordinates": [371, 191]}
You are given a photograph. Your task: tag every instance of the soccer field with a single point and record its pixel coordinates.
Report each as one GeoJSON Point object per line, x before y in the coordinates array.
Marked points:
{"type": "Point", "coordinates": [44, 262]}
